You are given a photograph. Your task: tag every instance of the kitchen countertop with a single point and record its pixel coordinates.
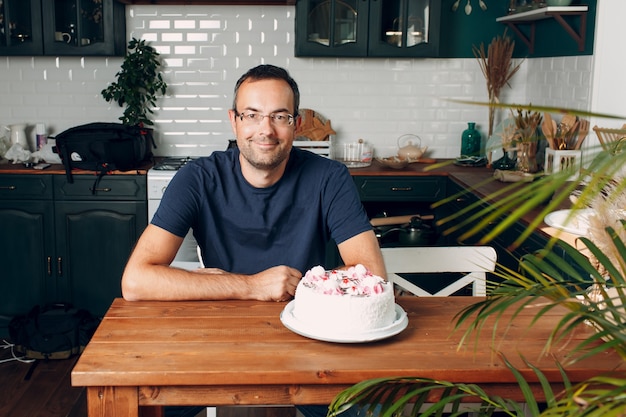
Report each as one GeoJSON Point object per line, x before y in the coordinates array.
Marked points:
{"type": "Point", "coordinates": [8, 168]}
{"type": "Point", "coordinates": [476, 179]}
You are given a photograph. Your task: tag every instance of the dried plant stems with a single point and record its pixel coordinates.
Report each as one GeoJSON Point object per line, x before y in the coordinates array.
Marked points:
{"type": "Point", "coordinates": [497, 66]}
{"type": "Point", "coordinates": [527, 123]}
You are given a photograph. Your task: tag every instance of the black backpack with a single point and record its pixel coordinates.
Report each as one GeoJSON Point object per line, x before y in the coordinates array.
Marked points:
{"type": "Point", "coordinates": [104, 147]}
{"type": "Point", "coordinates": [56, 331]}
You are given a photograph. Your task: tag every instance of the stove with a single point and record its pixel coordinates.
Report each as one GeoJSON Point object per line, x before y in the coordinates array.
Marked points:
{"type": "Point", "coordinates": [172, 163]}
{"type": "Point", "coordinates": [159, 178]}
{"type": "Point", "coordinates": [160, 175]}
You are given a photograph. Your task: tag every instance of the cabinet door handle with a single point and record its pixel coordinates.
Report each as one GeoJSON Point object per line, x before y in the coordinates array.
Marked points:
{"type": "Point", "coordinates": [49, 265]}
{"type": "Point", "coordinates": [59, 266]}
{"type": "Point", "coordinates": [401, 188]}
{"type": "Point", "coordinates": [106, 189]}
{"type": "Point", "coordinates": [8, 187]}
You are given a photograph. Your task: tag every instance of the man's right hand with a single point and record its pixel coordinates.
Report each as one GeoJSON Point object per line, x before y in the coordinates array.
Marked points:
{"type": "Point", "coordinates": [275, 284]}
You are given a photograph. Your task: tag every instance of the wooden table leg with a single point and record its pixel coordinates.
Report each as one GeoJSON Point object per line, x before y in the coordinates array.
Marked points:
{"type": "Point", "coordinates": [113, 402]}
{"type": "Point", "coordinates": [151, 411]}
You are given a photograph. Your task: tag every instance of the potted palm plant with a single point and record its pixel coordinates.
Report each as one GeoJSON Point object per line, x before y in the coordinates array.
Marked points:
{"type": "Point", "coordinates": [139, 84]}
{"type": "Point", "coordinates": [591, 287]}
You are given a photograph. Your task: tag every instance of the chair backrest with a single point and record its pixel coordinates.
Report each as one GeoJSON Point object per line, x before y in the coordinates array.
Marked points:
{"type": "Point", "coordinates": [473, 261]}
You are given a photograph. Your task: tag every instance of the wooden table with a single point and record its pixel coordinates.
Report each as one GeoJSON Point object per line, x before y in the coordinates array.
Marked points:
{"type": "Point", "coordinates": [238, 352]}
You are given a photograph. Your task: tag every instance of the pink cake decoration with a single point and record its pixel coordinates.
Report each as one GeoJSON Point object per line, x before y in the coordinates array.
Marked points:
{"type": "Point", "coordinates": [356, 281]}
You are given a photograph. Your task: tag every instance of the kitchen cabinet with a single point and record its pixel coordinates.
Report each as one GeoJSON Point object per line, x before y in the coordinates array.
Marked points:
{"type": "Point", "coordinates": [468, 203]}
{"type": "Point", "coordinates": [428, 189]}
{"type": "Point", "coordinates": [62, 27]}
{"type": "Point", "coordinates": [213, 2]}
{"type": "Point", "coordinates": [21, 27]}
{"type": "Point", "coordinates": [26, 243]}
{"type": "Point", "coordinates": [62, 242]}
{"type": "Point", "coordinates": [375, 28]}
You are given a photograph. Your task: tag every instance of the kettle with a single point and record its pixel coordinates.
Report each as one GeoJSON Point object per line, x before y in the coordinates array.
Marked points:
{"type": "Point", "coordinates": [18, 135]}
{"type": "Point", "coordinates": [409, 147]}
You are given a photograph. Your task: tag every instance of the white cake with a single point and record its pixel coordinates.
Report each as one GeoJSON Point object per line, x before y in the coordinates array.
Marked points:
{"type": "Point", "coordinates": [348, 301]}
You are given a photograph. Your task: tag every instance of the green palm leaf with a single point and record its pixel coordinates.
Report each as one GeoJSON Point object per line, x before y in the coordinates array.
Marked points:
{"type": "Point", "coordinates": [548, 279]}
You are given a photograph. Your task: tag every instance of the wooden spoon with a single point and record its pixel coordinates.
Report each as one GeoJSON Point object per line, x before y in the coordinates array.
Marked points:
{"type": "Point", "coordinates": [582, 133]}
{"type": "Point", "coordinates": [546, 129]}
{"type": "Point", "coordinates": [548, 120]}
{"type": "Point", "coordinates": [567, 124]}
{"type": "Point", "coordinates": [571, 133]}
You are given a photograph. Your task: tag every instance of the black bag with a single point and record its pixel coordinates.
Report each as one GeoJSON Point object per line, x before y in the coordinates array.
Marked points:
{"type": "Point", "coordinates": [56, 331]}
{"type": "Point", "coordinates": [104, 147]}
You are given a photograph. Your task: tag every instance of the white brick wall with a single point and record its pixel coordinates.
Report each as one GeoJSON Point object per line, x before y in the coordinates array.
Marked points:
{"type": "Point", "coordinates": [207, 48]}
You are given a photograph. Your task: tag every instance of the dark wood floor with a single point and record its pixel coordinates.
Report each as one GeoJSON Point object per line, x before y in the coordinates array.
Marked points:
{"type": "Point", "coordinates": [39, 389]}
{"type": "Point", "coordinates": [43, 389]}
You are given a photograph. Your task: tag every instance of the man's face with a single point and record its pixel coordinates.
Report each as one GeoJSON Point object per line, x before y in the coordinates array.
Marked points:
{"type": "Point", "coordinates": [264, 145]}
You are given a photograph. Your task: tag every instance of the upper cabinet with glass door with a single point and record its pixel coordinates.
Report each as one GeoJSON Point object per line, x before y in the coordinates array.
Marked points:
{"type": "Point", "coordinates": [62, 27]}
{"type": "Point", "coordinates": [84, 27]}
{"type": "Point", "coordinates": [331, 27]}
{"type": "Point", "coordinates": [377, 28]}
{"type": "Point", "coordinates": [20, 27]}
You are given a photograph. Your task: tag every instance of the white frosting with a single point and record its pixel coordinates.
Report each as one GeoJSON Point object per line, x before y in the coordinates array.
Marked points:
{"type": "Point", "coordinates": [350, 301]}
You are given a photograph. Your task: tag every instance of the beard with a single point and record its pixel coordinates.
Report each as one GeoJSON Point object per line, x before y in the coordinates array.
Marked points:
{"type": "Point", "coordinates": [265, 160]}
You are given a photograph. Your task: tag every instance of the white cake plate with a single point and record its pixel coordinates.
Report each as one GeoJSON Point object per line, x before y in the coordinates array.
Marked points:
{"type": "Point", "coordinates": [571, 221]}
{"type": "Point", "coordinates": [290, 322]}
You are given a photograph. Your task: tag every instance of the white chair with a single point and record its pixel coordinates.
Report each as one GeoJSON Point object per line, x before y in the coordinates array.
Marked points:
{"type": "Point", "coordinates": [475, 261]}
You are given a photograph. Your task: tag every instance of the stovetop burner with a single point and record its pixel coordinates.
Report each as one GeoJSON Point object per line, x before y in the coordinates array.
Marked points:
{"type": "Point", "coordinates": [172, 163]}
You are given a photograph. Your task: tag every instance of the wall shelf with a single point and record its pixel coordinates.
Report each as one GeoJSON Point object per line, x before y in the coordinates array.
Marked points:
{"type": "Point", "coordinates": [532, 16]}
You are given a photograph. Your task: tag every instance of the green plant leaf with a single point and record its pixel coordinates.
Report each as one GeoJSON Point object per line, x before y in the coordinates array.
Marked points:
{"type": "Point", "coordinates": [139, 82]}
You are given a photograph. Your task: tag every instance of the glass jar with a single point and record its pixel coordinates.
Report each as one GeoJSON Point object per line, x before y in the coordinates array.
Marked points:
{"type": "Point", "coordinates": [527, 157]}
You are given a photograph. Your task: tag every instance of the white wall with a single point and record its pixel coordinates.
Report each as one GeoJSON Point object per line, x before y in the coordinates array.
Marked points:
{"type": "Point", "coordinates": [206, 48]}
{"type": "Point", "coordinates": [609, 85]}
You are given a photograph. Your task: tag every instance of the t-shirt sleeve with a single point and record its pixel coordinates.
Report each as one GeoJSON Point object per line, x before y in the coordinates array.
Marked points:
{"type": "Point", "coordinates": [346, 216]}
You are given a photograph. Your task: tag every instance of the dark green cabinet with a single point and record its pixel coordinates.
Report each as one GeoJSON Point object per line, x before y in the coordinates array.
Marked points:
{"type": "Point", "coordinates": [468, 204]}
{"type": "Point", "coordinates": [375, 28]}
{"type": "Point", "coordinates": [20, 27]}
{"type": "Point", "coordinates": [62, 242]}
{"type": "Point", "coordinates": [62, 27]}
{"type": "Point", "coordinates": [26, 243]}
{"type": "Point", "coordinates": [424, 189]}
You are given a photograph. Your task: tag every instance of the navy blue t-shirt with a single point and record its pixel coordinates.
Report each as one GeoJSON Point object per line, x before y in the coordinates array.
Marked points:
{"type": "Point", "coordinates": [243, 229]}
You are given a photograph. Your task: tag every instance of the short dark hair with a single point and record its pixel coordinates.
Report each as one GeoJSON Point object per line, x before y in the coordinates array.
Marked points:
{"type": "Point", "coordinates": [269, 72]}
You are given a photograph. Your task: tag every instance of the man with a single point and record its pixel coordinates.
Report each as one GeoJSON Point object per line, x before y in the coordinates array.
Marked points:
{"type": "Point", "coordinates": [262, 213]}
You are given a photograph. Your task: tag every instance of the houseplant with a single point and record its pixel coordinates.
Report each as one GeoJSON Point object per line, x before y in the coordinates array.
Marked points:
{"type": "Point", "coordinates": [591, 287]}
{"type": "Point", "coordinates": [139, 82]}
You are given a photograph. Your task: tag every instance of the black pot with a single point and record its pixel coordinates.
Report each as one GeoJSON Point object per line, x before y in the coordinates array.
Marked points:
{"type": "Point", "coordinates": [416, 233]}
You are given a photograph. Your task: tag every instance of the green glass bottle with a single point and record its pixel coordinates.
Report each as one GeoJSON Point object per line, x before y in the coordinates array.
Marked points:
{"type": "Point", "coordinates": [470, 141]}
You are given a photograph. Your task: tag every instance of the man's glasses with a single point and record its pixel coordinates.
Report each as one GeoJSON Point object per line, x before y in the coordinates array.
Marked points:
{"type": "Point", "coordinates": [252, 118]}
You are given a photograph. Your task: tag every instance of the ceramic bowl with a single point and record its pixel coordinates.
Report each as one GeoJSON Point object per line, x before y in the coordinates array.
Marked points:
{"type": "Point", "coordinates": [394, 162]}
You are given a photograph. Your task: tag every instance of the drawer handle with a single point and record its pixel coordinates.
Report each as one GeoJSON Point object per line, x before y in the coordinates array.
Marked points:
{"type": "Point", "coordinates": [401, 188]}
{"type": "Point", "coordinates": [8, 187]}
{"type": "Point", "coordinates": [106, 190]}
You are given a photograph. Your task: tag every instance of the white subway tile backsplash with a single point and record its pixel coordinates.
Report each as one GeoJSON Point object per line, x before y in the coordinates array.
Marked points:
{"type": "Point", "coordinates": [160, 24]}
{"type": "Point", "coordinates": [206, 49]}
